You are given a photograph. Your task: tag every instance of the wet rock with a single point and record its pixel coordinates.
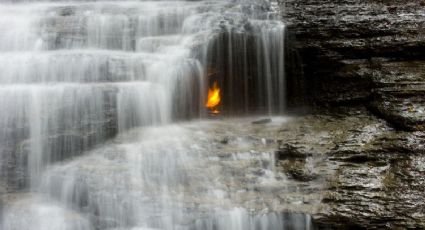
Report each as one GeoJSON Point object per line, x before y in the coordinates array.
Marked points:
{"type": "Point", "coordinates": [358, 158]}
{"type": "Point", "coordinates": [262, 121]}
{"type": "Point", "coordinates": [360, 52]}
{"type": "Point", "coordinates": [293, 161]}
{"type": "Point", "coordinates": [398, 96]}
{"type": "Point", "coordinates": [367, 53]}
{"type": "Point", "coordinates": [295, 169]}
{"type": "Point", "coordinates": [224, 140]}
{"type": "Point", "coordinates": [287, 151]}
{"type": "Point", "coordinates": [370, 175]}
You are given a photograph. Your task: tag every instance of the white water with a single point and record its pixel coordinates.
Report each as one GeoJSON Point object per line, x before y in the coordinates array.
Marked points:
{"type": "Point", "coordinates": [73, 74]}
{"type": "Point", "coordinates": [179, 176]}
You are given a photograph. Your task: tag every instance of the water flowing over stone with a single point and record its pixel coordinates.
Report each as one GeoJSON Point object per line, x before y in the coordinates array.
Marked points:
{"type": "Point", "coordinates": [74, 74]}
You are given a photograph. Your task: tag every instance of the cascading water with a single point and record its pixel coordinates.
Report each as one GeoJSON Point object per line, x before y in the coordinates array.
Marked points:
{"type": "Point", "coordinates": [74, 74]}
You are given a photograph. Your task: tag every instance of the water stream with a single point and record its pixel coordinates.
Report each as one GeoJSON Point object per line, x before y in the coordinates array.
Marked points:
{"type": "Point", "coordinates": [95, 98]}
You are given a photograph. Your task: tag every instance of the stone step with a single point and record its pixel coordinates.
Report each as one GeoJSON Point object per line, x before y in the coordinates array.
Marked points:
{"type": "Point", "coordinates": [115, 25]}
{"type": "Point", "coordinates": [91, 66]}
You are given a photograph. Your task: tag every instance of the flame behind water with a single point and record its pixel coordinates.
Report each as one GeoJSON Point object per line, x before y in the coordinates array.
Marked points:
{"type": "Point", "coordinates": [214, 98]}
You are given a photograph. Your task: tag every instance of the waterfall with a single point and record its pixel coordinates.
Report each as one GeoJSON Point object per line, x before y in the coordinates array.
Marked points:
{"type": "Point", "coordinates": [75, 74]}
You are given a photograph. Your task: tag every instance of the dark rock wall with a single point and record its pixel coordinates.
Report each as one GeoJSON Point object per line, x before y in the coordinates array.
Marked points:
{"type": "Point", "coordinates": [361, 52]}
{"type": "Point", "coordinates": [359, 173]}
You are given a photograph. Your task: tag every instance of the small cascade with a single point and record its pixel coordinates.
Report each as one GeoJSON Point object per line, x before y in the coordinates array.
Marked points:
{"type": "Point", "coordinates": [92, 94]}
{"type": "Point", "coordinates": [246, 59]}
{"type": "Point", "coordinates": [75, 74]}
{"type": "Point", "coordinates": [138, 182]}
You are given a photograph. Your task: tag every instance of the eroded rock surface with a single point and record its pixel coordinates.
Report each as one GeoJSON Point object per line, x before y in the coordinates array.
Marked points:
{"type": "Point", "coordinates": [372, 175]}
{"type": "Point", "coordinates": [367, 53]}
{"type": "Point", "coordinates": [362, 52]}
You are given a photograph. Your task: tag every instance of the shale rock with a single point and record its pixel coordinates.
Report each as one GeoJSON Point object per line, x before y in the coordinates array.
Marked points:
{"type": "Point", "coordinates": [368, 54]}
{"type": "Point", "coordinates": [361, 52]}
{"type": "Point", "coordinates": [371, 176]}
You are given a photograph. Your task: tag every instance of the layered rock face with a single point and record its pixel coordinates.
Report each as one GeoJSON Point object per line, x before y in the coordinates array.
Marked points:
{"type": "Point", "coordinates": [371, 176]}
{"type": "Point", "coordinates": [367, 52]}
{"type": "Point", "coordinates": [366, 55]}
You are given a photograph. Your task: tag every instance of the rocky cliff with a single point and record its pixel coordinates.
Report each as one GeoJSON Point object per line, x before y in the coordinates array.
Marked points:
{"type": "Point", "coordinates": [362, 52]}
{"type": "Point", "coordinates": [366, 55]}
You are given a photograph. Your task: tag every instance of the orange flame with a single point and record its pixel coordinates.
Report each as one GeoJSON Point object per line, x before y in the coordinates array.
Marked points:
{"type": "Point", "coordinates": [214, 98]}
